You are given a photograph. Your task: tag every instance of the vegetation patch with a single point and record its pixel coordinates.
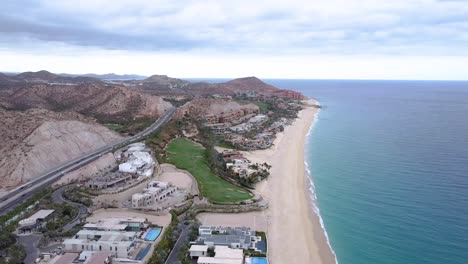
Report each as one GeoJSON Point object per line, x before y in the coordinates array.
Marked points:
{"type": "Point", "coordinates": [189, 156]}
{"type": "Point", "coordinates": [168, 240]}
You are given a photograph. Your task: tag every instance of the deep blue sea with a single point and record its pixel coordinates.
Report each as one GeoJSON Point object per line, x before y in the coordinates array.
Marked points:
{"type": "Point", "coordinates": [389, 162]}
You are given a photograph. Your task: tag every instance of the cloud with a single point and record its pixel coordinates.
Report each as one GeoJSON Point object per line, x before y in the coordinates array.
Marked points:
{"type": "Point", "coordinates": [245, 28]}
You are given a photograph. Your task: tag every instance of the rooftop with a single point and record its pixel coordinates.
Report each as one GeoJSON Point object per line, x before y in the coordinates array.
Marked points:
{"type": "Point", "coordinates": [198, 248]}
{"type": "Point", "coordinates": [41, 214]}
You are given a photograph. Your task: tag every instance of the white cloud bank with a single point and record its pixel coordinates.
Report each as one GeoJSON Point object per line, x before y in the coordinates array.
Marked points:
{"type": "Point", "coordinates": [349, 39]}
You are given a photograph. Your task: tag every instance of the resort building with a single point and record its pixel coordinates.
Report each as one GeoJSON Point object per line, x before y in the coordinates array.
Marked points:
{"type": "Point", "coordinates": [108, 181]}
{"type": "Point", "coordinates": [198, 251]}
{"type": "Point", "coordinates": [114, 236]}
{"type": "Point", "coordinates": [236, 238]}
{"type": "Point", "coordinates": [258, 119]}
{"type": "Point", "coordinates": [137, 160]}
{"type": "Point", "coordinates": [35, 221]}
{"type": "Point", "coordinates": [223, 255]}
{"type": "Point", "coordinates": [156, 192]}
{"type": "Point", "coordinates": [118, 224]}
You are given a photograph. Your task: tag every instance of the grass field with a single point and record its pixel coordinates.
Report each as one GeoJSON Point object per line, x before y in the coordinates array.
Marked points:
{"type": "Point", "coordinates": [186, 155]}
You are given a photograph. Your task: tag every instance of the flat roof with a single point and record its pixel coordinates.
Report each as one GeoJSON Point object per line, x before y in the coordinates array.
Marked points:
{"type": "Point", "coordinates": [198, 248]}
{"type": "Point", "coordinates": [215, 260]}
{"type": "Point", "coordinates": [229, 253]}
{"type": "Point", "coordinates": [105, 226]}
{"type": "Point", "coordinates": [41, 214]}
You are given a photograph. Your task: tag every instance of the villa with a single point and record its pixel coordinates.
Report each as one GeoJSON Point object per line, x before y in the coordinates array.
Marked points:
{"type": "Point", "coordinates": [155, 192]}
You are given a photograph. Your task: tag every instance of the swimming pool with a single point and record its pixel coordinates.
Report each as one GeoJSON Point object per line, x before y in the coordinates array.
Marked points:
{"type": "Point", "coordinates": [152, 234]}
{"type": "Point", "coordinates": [257, 260]}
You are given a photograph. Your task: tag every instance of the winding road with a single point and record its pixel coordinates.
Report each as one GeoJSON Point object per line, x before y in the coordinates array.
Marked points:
{"type": "Point", "coordinates": [57, 197]}
{"type": "Point", "coordinates": [27, 190]}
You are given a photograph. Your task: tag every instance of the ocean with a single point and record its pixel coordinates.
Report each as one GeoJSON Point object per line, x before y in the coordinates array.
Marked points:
{"type": "Point", "coordinates": [389, 162]}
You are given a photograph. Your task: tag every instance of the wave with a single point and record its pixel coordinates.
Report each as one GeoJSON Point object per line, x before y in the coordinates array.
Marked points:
{"type": "Point", "coordinates": [313, 195]}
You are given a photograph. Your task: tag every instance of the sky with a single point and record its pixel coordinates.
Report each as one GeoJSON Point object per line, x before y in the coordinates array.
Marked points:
{"type": "Point", "coordinates": [314, 39]}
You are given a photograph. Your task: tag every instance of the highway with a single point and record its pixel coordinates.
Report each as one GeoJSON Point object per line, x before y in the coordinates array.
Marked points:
{"type": "Point", "coordinates": [22, 193]}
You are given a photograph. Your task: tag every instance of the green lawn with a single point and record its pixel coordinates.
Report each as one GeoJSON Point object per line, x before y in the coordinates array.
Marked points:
{"type": "Point", "coordinates": [186, 155]}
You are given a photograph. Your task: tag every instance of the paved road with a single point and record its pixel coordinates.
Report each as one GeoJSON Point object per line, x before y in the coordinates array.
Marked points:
{"type": "Point", "coordinates": [30, 245]}
{"type": "Point", "coordinates": [22, 193]}
{"type": "Point", "coordinates": [57, 197]}
{"type": "Point", "coordinates": [182, 240]}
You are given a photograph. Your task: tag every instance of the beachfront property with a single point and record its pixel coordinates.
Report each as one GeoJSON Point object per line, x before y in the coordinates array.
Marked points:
{"type": "Point", "coordinates": [35, 221]}
{"type": "Point", "coordinates": [155, 192]}
{"type": "Point", "coordinates": [223, 255]}
{"type": "Point", "coordinates": [115, 237]}
{"type": "Point", "coordinates": [232, 237]}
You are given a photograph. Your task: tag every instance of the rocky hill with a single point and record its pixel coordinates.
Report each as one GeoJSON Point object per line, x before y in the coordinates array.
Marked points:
{"type": "Point", "coordinates": [163, 85]}
{"type": "Point", "coordinates": [202, 107]}
{"type": "Point", "coordinates": [106, 102]}
{"type": "Point", "coordinates": [37, 140]}
{"type": "Point", "coordinates": [240, 85]}
{"type": "Point", "coordinates": [50, 78]}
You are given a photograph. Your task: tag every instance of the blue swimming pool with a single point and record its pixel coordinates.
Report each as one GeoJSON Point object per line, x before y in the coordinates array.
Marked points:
{"type": "Point", "coordinates": [152, 234]}
{"type": "Point", "coordinates": [257, 260]}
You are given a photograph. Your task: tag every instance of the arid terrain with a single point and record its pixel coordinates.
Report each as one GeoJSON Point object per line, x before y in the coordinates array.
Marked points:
{"type": "Point", "coordinates": [91, 97]}
{"type": "Point", "coordinates": [36, 140]}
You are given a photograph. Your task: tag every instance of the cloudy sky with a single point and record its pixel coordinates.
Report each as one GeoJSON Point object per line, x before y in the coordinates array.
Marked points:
{"type": "Point", "coordinates": [338, 39]}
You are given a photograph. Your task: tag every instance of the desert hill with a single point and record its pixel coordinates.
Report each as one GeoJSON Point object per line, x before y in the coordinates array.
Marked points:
{"type": "Point", "coordinates": [37, 140]}
{"type": "Point", "coordinates": [106, 102]}
{"type": "Point", "coordinates": [164, 85]}
{"type": "Point", "coordinates": [51, 78]}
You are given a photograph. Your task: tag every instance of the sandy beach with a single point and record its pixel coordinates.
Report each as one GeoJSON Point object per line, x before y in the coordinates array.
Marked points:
{"type": "Point", "coordinates": [293, 229]}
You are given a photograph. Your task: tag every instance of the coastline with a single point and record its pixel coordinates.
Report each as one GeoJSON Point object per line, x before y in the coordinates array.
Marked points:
{"type": "Point", "coordinates": [291, 217]}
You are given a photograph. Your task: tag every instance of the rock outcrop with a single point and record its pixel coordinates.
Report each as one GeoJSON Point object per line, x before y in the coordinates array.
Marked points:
{"type": "Point", "coordinates": [37, 140]}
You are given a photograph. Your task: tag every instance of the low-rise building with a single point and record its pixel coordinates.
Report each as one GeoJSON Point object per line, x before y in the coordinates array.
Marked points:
{"type": "Point", "coordinates": [137, 160]}
{"type": "Point", "coordinates": [233, 237]}
{"type": "Point", "coordinates": [198, 251]}
{"type": "Point", "coordinates": [108, 181]}
{"type": "Point", "coordinates": [156, 191]}
{"type": "Point", "coordinates": [118, 244]}
{"type": "Point", "coordinates": [35, 221]}
{"type": "Point", "coordinates": [223, 255]}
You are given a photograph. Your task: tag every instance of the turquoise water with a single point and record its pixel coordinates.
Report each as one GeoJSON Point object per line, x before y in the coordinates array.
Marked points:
{"type": "Point", "coordinates": [390, 166]}
{"type": "Point", "coordinates": [153, 234]}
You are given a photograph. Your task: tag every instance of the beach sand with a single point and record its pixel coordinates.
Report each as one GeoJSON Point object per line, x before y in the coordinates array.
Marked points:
{"type": "Point", "coordinates": [294, 232]}
{"type": "Point", "coordinates": [293, 229]}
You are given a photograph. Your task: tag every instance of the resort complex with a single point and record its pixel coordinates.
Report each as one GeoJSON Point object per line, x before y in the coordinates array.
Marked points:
{"type": "Point", "coordinates": [140, 201]}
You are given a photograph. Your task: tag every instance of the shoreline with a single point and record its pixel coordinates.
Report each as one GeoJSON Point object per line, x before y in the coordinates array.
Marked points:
{"type": "Point", "coordinates": [291, 217]}
{"type": "Point", "coordinates": [292, 221]}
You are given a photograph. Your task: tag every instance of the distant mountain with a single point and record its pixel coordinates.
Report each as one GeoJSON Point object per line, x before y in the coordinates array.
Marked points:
{"type": "Point", "coordinates": [164, 85]}
{"type": "Point", "coordinates": [6, 78]}
{"type": "Point", "coordinates": [51, 78]}
{"type": "Point", "coordinates": [108, 76]}
{"type": "Point", "coordinates": [108, 102]}
{"type": "Point", "coordinates": [37, 76]}
{"type": "Point", "coordinates": [240, 85]}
